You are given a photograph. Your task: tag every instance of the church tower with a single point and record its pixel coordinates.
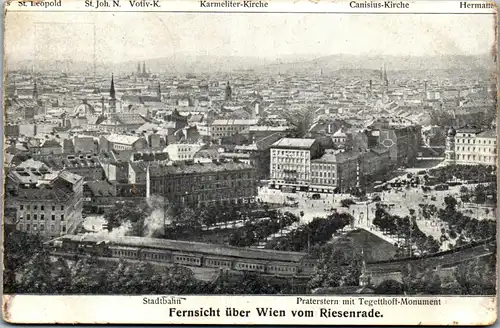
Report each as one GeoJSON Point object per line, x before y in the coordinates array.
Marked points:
{"type": "Point", "coordinates": [144, 68]}
{"type": "Point", "coordinates": [158, 91]}
{"type": "Point", "coordinates": [35, 91]}
{"type": "Point", "coordinates": [112, 96]}
{"type": "Point", "coordinates": [449, 153]}
{"type": "Point", "coordinates": [229, 93]}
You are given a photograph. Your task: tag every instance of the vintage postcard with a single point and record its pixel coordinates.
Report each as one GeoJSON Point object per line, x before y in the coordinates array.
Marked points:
{"type": "Point", "coordinates": [250, 162]}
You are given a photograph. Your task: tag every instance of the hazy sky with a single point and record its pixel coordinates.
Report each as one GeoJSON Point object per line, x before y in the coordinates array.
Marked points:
{"type": "Point", "coordinates": [137, 36]}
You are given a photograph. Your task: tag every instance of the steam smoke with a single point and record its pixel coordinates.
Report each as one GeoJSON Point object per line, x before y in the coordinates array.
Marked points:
{"type": "Point", "coordinates": [114, 234]}
{"type": "Point", "coordinates": [155, 222]}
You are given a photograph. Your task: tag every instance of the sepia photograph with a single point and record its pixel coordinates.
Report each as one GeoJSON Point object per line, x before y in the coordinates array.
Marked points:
{"type": "Point", "coordinates": [210, 153]}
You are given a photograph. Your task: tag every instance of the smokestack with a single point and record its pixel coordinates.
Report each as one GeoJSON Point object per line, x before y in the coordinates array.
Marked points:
{"type": "Point", "coordinates": [148, 182]}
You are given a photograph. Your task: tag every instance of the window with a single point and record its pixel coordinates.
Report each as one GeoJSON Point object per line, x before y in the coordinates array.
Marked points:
{"type": "Point", "coordinates": [42, 217]}
{"type": "Point", "coordinates": [42, 227]}
{"type": "Point", "coordinates": [28, 227]}
{"type": "Point", "coordinates": [35, 217]}
{"type": "Point", "coordinates": [53, 217]}
{"type": "Point", "coordinates": [28, 217]}
{"type": "Point", "coordinates": [35, 207]}
{"type": "Point", "coordinates": [53, 208]}
{"type": "Point", "coordinates": [21, 207]}
{"type": "Point", "coordinates": [62, 207]}
{"type": "Point", "coordinates": [21, 227]}
{"type": "Point", "coordinates": [42, 208]}
{"type": "Point", "coordinates": [62, 217]}
{"type": "Point", "coordinates": [52, 228]}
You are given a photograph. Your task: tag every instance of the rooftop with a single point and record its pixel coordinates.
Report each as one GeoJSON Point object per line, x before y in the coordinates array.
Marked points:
{"type": "Point", "coordinates": [70, 177]}
{"type": "Point", "coordinates": [488, 134]}
{"type": "Point", "coordinates": [55, 194]}
{"type": "Point", "coordinates": [122, 139]}
{"type": "Point", "coordinates": [294, 143]}
{"type": "Point", "coordinates": [193, 168]}
{"type": "Point", "coordinates": [236, 122]}
{"type": "Point", "coordinates": [100, 188]}
{"type": "Point", "coordinates": [339, 157]}
{"type": "Point", "coordinates": [260, 128]}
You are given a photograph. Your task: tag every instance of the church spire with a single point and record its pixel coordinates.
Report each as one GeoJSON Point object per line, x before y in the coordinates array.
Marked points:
{"type": "Point", "coordinates": [112, 96]}
{"type": "Point", "coordinates": [229, 92]}
{"type": "Point", "coordinates": [144, 68]}
{"type": "Point", "coordinates": [35, 91]}
{"type": "Point", "coordinates": [159, 91]}
{"type": "Point", "coordinates": [112, 93]}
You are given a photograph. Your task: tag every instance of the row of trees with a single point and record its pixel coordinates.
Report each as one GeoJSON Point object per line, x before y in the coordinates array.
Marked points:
{"type": "Point", "coordinates": [338, 264]}
{"type": "Point", "coordinates": [464, 227]}
{"type": "Point", "coordinates": [251, 283]}
{"type": "Point", "coordinates": [254, 231]}
{"type": "Point", "coordinates": [475, 277]}
{"type": "Point", "coordinates": [477, 173]}
{"type": "Point", "coordinates": [318, 231]}
{"type": "Point", "coordinates": [480, 194]}
{"type": "Point", "coordinates": [405, 228]}
{"type": "Point", "coordinates": [170, 220]}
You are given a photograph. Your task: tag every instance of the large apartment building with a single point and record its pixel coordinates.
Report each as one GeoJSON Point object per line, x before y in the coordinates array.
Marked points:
{"type": "Point", "coordinates": [46, 203]}
{"type": "Point", "coordinates": [471, 146]}
{"type": "Point", "coordinates": [199, 184]}
{"type": "Point", "coordinates": [291, 162]}
{"type": "Point", "coordinates": [227, 128]}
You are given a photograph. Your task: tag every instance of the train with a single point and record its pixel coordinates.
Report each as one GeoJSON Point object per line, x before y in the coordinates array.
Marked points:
{"type": "Point", "coordinates": [186, 253]}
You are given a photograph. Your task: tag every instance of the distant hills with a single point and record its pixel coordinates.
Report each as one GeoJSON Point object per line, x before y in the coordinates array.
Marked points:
{"type": "Point", "coordinates": [212, 64]}
{"type": "Point", "coordinates": [399, 63]}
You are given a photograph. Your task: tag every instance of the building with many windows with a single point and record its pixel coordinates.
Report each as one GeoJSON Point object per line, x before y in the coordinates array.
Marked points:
{"type": "Point", "coordinates": [227, 128]}
{"type": "Point", "coordinates": [47, 203]}
{"type": "Point", "coordinates": [335, 171]}
{"type": "Point", "coordinates": [472, 146]}
{"type": "Point", "coordinates": [122, 142]}
{"type": "Point", "coordinates": [291, 162]}
{"type": "Point", "coordinates": [182, 151]}
{"type": "Point", "coordinates": [199, 184]}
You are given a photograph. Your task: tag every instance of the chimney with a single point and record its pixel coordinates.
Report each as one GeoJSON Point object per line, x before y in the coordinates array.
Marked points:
{"type": "Point", "coordinates": [148, 182]}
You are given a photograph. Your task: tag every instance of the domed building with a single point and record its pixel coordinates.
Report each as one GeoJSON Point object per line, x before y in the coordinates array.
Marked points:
{"type": "Point", "coordinates": [83, 109]}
